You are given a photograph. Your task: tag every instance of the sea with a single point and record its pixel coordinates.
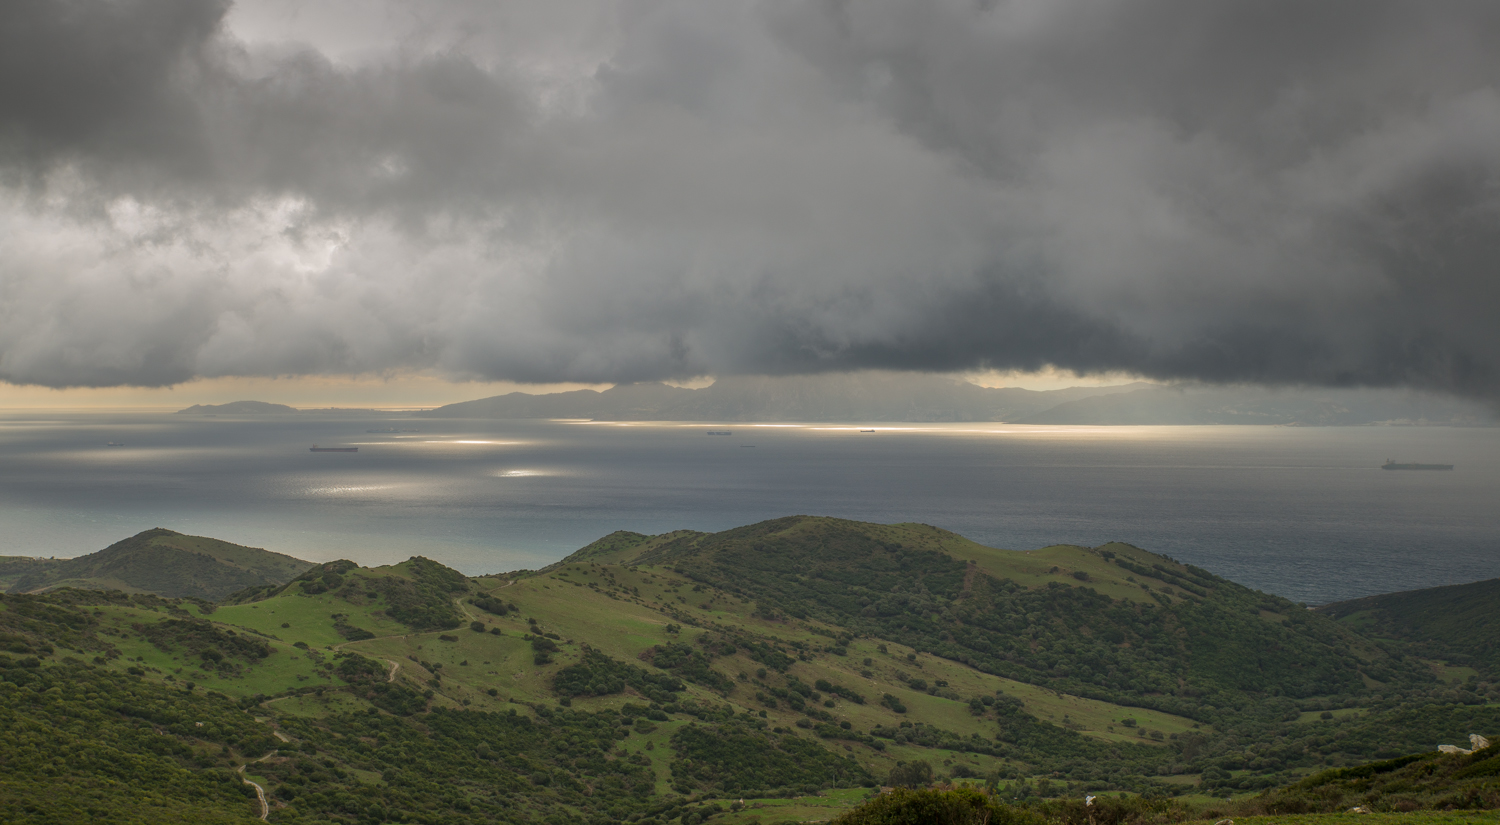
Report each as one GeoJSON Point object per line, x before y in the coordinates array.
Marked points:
{"type": "Point", "coordinates": [1301, 512]}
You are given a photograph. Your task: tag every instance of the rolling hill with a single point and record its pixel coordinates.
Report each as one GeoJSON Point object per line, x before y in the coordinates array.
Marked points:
{"type": "Point", "coordinates": [1458, 623]}
{"type": "Point", "coordinates": [793, 663]}
{"type": "Point", "coordinates": [161, 562]}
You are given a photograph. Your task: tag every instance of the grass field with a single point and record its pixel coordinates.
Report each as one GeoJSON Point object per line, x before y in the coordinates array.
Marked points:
{"type": "Point", "coordinates": [607, 600]}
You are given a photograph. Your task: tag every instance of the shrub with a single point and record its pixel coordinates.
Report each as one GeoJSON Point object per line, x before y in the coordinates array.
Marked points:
{"type": "Point", "coordinates": [917, 774]}
{"type": "Point", "coordinates": [961, 806]}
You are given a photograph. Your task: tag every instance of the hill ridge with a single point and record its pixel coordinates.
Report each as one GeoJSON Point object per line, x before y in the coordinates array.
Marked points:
{"type": "Point", "coordinates": [167, 563]}
{"type": "Point", "coordinates": [657, 679]}
{"type": "Point", "coordinates": [1456, 622]}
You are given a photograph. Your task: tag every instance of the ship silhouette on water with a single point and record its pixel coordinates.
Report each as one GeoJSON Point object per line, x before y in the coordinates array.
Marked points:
{"type": "Point", "coordinates": [317, 449]}
{"type": "Point", "coordinates": [1390, 464]}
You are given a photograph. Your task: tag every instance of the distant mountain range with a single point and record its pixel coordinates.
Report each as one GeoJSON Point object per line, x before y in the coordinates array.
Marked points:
{"type": "Point", "coordinates": [238, 408]}
{"type": "Point", "coordinates": [848, 397]}
{"type": "Point", "coordinates": [868, 397]}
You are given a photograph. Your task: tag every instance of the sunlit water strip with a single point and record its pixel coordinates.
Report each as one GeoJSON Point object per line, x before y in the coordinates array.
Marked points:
{"type": "Point", "coordinates": [1304, 512]}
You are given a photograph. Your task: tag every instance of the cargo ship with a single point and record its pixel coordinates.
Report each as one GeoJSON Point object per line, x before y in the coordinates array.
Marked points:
{"type": "Point", "coordinates": [317, 449]}
{"type": "Point", "coordinates": [1392, 465]}
{"type": "Point", "coordinates": [719, 432]}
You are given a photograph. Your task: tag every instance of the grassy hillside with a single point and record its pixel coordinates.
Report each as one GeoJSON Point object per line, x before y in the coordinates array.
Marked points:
{"type": "Point", "coordinates": [1459, 623]}
{"type": "Point", "coordinates": [1115, 622]}
{"type": "Point", "coordinates": [793, 664]}
{"type": "Point", "coordinates": [15, 568]}
{"type": "Point", "coordinates": [160, 562]}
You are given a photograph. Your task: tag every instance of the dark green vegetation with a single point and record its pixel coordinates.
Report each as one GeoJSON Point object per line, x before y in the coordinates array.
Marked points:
{"type": "Point", "coordinates": [1458, 624]}
{"type": "Point", "coordinates": [86, 743]}
{"type": "Point", "coordinates": [1417, 782]}
{"type": "Point", "coordinates": [160, 562]}
{"type": "Point", "coordinates": [663, 678]}
{"type": "Point", "coordinates": [957, 806]}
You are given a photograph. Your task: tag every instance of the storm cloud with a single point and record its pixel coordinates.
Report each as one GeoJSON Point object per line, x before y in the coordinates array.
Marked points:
{"type": "Point", "coordinates": [1266, 191]}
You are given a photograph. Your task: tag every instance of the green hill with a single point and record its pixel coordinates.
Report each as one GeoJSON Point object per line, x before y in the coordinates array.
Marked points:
{"type": "Point", "coordinates": [1458, 623]}
{"type": "Point", "coordinates": [1114, 622]}
{"type": "Point", "coordinates": [15, 568]}
{"type": "Point", "coordinates": [161, 562]}
{"type": "Point", "coordinates": [794, 664]}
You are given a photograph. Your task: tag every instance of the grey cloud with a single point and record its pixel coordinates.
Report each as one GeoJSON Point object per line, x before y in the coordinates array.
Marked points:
{"type": "Point", "coordinates": [1275, 192]}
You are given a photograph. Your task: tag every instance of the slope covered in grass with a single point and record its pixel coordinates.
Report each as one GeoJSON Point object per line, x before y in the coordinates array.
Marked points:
{"type": "Point", "coordinates": [669, 676]}
{"type": "Point", "coordinates": [1111, 622]}
{"type": "Point", "coordinates": [166, 563]}
{"type": "Point", "coordinates": [1458, 623]}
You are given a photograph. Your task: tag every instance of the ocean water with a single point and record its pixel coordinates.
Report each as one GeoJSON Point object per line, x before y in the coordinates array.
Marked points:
{"type": "Point", "coordinates": [1302, 512]}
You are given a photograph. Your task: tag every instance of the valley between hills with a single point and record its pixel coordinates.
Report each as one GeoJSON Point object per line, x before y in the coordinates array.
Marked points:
{"type": "Point", "coordinates": [778, 672]}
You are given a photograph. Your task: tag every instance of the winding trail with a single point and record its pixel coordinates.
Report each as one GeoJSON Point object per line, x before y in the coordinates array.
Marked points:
{"type": "Point", "coordinates": [395, 665]}
{"type": "Point", "coordinates": [260, 793]}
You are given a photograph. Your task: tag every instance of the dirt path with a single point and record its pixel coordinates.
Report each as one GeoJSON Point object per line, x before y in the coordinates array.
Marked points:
{"type": "Point", "coordinates": [260, 793]}
{"type": "Point", "coordinates": [396, 666]}
{"type": "Point", "coordinates": [459, 602]}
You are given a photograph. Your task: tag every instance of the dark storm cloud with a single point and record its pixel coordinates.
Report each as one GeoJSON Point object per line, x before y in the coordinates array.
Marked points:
{"type": "Point", "coordinates": [1278, 192]}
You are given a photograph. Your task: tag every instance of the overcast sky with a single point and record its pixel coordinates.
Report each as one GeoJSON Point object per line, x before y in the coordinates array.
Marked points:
{"type": "Point", "coordinates": [1274, 191]}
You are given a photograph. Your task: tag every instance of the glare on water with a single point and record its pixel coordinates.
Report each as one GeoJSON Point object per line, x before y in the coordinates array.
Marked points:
{"type": "Point", "coordinates": [1304, 512]}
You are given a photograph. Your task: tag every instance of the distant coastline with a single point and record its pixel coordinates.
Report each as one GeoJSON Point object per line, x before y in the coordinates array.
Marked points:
{"type": "Point", "coordinates": [869, 398]}
{"type": "Point", "coordinates": [877, 397]}
{"type": "Point", "coordinates": [238, 408]}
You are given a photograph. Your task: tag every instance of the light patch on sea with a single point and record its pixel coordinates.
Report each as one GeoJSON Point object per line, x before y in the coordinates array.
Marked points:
{"type": "Point", "coordinates": [1303, 512]}
{"type": "Point", "coordinates": [348, 489]}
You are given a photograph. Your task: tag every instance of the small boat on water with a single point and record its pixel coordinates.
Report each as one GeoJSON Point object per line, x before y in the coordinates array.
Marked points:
{"type": "Point", "coordinates": [867, 431]}
{"type": "Point", "coordinates": [1392, 465]}
{"type": "Point", "coordinates": [114, 444]}
{"type": "Point", "coordinates": [317, 449]}
{"type": "Point", "coordinates": [720, 432]}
